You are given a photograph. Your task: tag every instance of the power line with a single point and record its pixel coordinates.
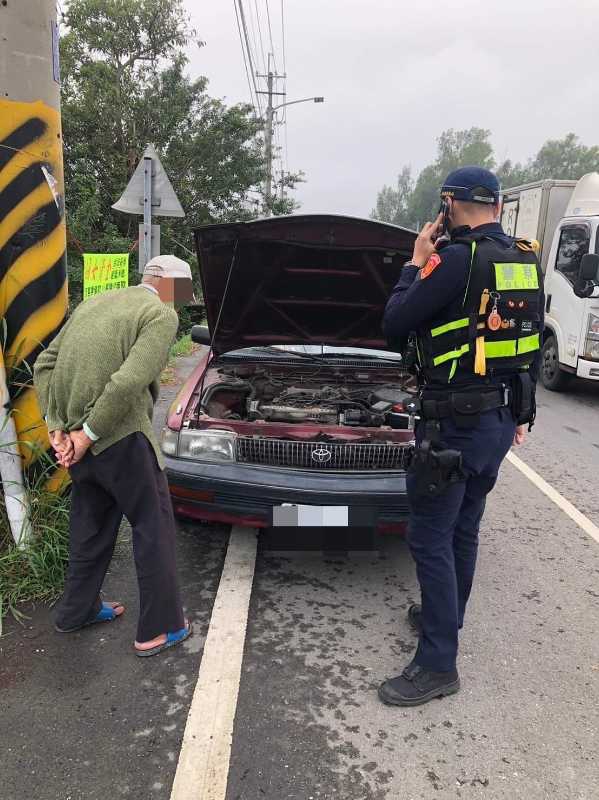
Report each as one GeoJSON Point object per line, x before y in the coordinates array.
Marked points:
{"type": "Point", "coordinates": [285, 83]}
{"type": "Point", "coordinates": [260, 31]}
{"type": "Point", "coordinates": [249, 54]}
{"type": "Point", "coordinates": [283, 36]}
{"type": "Point", "coordinates": [245, 64]}
{"type": "Point", "coordinates": [252, 26]}
{"type": "Point", "coordinates": [272, 46]}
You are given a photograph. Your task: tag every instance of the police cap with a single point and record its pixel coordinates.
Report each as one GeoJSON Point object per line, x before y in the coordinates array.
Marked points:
{"type": "Point", "coordinates": [472, 184]}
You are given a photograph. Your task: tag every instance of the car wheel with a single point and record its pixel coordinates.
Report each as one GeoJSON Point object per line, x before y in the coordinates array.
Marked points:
{"type": "Point", "coordinates": [554, 378]}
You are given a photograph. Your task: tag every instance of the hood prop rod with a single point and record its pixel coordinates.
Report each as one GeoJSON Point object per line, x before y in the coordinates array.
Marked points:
{"type": "Point", "coordinates": [217, 323]}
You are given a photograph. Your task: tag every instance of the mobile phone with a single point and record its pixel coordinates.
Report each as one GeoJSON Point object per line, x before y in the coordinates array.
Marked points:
{"type": "Point", "coordinates": [443, 209]}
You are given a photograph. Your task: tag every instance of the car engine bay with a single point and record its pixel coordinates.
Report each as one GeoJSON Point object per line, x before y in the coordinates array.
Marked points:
{"type": "Point", "coordinates": [324, 395]}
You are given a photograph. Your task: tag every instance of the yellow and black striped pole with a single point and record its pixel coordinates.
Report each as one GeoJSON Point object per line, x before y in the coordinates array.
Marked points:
{"type": "Point", "coordinates": [33, 286]}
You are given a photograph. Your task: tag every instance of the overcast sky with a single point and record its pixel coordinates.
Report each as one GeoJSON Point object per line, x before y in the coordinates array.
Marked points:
{"type": "Point", "coordinates": [396, 73]}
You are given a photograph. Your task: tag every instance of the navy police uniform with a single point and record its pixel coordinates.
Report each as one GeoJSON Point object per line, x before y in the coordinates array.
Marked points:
{"type": "Point", "coordinates": [441, 303]}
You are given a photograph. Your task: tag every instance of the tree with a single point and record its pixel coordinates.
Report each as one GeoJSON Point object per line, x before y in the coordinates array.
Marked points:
{"type": "Point", "coordinates": [565, 158]}
{"type": "Point", "coordinates": [512, 174]}
{"type": "Point", "coordinates": [412, 203]}
{"type": "Point", "coordinates": [392, 204]}
{"type": "Point", "coordinates": [454, 149]}
{"type": "Point", "coordinates": [561, 159]}
{"type": "Point", "coordinates": [124, 84]}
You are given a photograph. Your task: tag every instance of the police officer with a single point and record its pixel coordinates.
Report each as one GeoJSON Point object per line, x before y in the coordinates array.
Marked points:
{"type": "Point", "coordinates": [476, 306]}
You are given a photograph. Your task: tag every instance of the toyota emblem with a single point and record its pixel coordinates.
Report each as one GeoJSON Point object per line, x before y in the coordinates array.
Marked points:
{"type": "Point", "coordinates": [321, 455]}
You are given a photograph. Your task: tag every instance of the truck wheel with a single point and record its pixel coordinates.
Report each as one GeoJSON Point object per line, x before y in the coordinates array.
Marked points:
{"type": "Point", "coordinates": [554, 378]}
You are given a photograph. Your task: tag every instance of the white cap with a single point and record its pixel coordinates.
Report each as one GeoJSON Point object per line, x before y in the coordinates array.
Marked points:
{"type": "Point", "coordinates": [167, 267]}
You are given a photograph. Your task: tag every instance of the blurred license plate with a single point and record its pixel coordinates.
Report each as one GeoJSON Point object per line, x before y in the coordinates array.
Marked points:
{"type": "Point", "coordinates": [299, 516]}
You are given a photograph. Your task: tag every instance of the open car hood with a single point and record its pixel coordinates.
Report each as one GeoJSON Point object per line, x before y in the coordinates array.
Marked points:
{"type": "Point", "coordinates": [303, 279]}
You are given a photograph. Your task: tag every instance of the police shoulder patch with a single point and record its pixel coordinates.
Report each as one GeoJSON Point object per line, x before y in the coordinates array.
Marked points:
{"type": "Point", "coordinates": [430, 266]}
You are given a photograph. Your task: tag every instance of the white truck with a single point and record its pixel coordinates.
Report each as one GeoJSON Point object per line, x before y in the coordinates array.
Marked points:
{"type": "Point", "coordinates": [563, 216]}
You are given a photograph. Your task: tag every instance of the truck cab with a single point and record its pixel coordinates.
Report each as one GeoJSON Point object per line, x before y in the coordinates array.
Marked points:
{"type": "Point", "coordinates": [563, 218]}
{"type": "Point", "coordinates": [571, 338]}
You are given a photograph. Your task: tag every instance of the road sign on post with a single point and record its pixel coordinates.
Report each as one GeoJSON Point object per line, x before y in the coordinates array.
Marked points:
{"type": "Point", "coordinates": [149, 193]}
{"type": "Point", "coordinates": [147, 240]}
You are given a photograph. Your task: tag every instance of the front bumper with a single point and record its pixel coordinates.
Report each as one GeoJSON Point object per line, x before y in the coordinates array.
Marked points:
{"type": "Point", "coordinates": [588, 369]}
{"type": "Point", "coordinates": [242, 494]}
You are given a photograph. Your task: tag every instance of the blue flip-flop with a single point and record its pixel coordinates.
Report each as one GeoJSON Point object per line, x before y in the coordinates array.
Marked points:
{"type": "Point", "coordinates": [106, 614]}
{"type": "Point", "coordinates": [172, 639]}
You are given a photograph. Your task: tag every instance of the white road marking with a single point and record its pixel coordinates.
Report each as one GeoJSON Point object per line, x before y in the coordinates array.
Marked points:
{"type": "Point", "coordinates": [560, 501]}
{"type": "Point", "coordinates": [203, 766]}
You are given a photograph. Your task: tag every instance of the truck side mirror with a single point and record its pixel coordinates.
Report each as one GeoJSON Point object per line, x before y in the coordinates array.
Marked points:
{"type": "Point", "coordinates": [201, 335]}
{"type": "Point", "coordinates": [589, 267]}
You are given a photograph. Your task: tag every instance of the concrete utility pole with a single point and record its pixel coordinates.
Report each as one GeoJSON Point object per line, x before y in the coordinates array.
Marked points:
{"type": "Point", "coordinates": [32, 230]}
{"type": "Point", "coordinates": [268, 132]}
{"type": "Point", "coordinates": [268, 128]}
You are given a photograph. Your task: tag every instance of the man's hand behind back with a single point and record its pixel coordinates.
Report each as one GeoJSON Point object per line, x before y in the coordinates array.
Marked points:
{"type": "Point", "coordinates": [62, 445]}
{"type": "Point", "coordinates": [70, 447]}
{"type": "Point", "coordinates": [81, 444]}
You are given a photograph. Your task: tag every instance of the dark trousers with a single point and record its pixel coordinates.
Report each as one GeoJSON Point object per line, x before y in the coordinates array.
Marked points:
{"type": "Point", "coordinates": [123, 480]}
{"type": "Point", "coordinates": [443, 534]}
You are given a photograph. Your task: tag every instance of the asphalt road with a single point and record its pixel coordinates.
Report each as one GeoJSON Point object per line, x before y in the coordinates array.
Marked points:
{"type": "Point", "coordinates": [81, 717]}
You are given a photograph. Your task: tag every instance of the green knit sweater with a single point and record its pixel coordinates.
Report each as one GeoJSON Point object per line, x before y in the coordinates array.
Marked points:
{"type": "Point", "coordinates": [103, 367]}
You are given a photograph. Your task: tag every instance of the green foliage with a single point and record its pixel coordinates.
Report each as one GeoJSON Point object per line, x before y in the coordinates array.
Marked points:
{"type": "Point", "coordinates": [561, 159]}
{"type": "Point", "coordinates": [182, 347]}
{"type": "Point", "coordinates": [392, 204]}
{"type": "Point", "coordinates": [412, 204]}
{"type": "Point", "coordinates": [190, 316]}
{"type": "Point", "coordinates": [124, 84]}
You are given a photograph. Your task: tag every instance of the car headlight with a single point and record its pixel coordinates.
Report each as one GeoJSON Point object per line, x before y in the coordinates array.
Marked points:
{"type": "Point", "coordinates": [210, 445]}
{"type": "Point", "coordinates": [169, 440]}
{"type": "Point", "coordinates": [591, 346]}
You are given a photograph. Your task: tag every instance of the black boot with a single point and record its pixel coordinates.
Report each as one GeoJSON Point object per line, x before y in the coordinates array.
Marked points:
{"type": "Point", "coordinates": [415, 617]}
{"type": "Point", "coordinates": [416, 686]}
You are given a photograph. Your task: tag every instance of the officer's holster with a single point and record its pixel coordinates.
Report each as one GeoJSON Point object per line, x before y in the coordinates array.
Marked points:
{"type": "Point", "coordinates": [434, 467]}
{"type": "Point", "coordinates": [523, 405]}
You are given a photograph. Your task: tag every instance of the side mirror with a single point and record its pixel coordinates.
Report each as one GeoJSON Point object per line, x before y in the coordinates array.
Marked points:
{"type": "Point", "coordinates": [201, 335]}
{"type": "Point", "coordinates": [589, 267]}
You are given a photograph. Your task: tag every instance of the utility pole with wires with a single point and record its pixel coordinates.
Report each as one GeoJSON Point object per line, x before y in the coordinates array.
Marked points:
{"type": "Point", "coordinates": [254, 49]}
{"type": "Point", "coordinates": [33, 300]}
{"type": "Point", "coordinates": [268, 130]}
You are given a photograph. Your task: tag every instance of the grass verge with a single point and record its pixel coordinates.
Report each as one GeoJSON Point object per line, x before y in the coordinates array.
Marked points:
{"type": "Point", "coordinates": [182, 347]}
{"type": "Point", "coordinates": [37, 571]}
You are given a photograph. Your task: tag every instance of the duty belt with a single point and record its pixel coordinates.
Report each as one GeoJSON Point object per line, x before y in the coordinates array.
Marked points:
{"type": "Point", "coordinates": [463, 404]}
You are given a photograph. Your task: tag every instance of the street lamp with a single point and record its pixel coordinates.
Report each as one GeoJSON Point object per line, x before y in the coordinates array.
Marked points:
{"type": "Point", "coordinates": [270, 112]}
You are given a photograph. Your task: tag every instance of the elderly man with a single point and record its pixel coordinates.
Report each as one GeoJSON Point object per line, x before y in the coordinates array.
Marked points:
{"type": "Point", "coordinates": [97, 383]}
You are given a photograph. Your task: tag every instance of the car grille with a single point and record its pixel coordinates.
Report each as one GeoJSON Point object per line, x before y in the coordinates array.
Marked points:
{"type": "Point", "coordinates": [325, 456]}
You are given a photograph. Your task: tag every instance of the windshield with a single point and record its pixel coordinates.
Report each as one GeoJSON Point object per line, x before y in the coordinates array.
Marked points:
{"type": "Point", "coordinates": [318, 351]}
